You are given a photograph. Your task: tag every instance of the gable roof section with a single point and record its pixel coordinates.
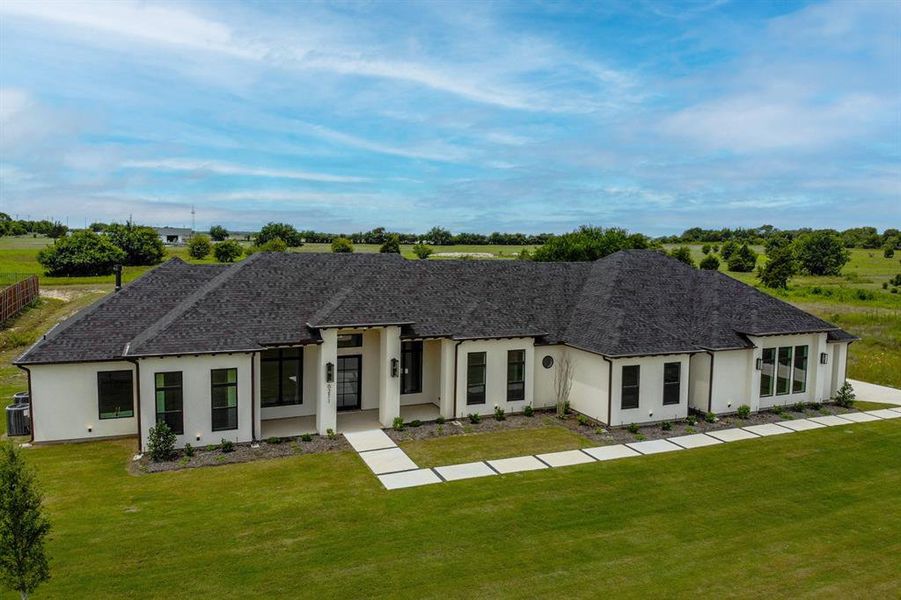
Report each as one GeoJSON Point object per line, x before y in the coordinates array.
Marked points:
{"type": "Point", "coordinates": [635, 302]}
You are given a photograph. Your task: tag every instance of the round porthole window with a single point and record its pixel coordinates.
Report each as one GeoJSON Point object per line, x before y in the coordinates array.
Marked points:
{"type": "Point", "coordinates": [547, 362]}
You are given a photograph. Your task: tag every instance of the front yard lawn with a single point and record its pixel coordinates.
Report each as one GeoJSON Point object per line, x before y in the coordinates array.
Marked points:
{"type": "Point", "coordinates": [489, 446]}
{"type": "Point", "coordinates": [806, 514]}
{"type": "Point", "coordinates": [866, 405]}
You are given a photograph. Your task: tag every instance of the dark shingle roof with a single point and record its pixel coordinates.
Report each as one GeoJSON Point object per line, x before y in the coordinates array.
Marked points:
{"type": "Point", "coordinates": [630, 303]}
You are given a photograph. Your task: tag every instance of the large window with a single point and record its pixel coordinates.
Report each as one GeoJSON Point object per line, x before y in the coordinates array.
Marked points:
{"type": "Point", "coordinates": [411, 368]}
{"type": "Point", "coordinates": [281, 377]}
{"type": "Point", "coordinates": [799, 374]}
{"type": "Point", "coordinates": [516, 375]}
{"type": "Point", "coordinates": [169, 400]}
{"type": "Point", "coordinates": [224, 398]}
{"type": "Point", "coordinates": [631, 377]}
{"type": "Point", "coordinates": [783, 370]}
{"type": "Point", "coordinates": [672, 381]}
{"type": "Point", "coordinates": [475, 378]}
{"type": "Point", "coordinates": [767, 370]}
{"type": "Point", "coordinates": [115, 394]}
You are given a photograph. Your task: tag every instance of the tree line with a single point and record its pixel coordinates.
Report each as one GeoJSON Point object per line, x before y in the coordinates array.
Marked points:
{"type": "Point", "coordinates": [855, 237]}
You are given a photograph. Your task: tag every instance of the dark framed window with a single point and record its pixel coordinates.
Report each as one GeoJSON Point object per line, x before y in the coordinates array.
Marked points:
{"type": "Point", "coordinates": [767, 371]}
{"type": "Point", "coordinates": [281, 377]}
{"type": "Point", "coordinates": [224, 398]}
{"type": "Point", "coordinates": [516, 375]}
{"type": "Point", "coordinates": [672, 382]}
{"type": "Point", "coordinates": [350, 340]}
{"type": "Point", "coordinates": [475, 378]}
{"type": "Point", "coordinates": [783, 370]}
{"type": "Point", "coordinates": [630, 380]}
{"type": "Point", "coordinates": [115, 394]}
{"type": "Point", "coordinates": [169, 400]}
{"type": "Point", "coordinates": [411, 368]}
{"type": "Point", "coordinates": [799, 373]}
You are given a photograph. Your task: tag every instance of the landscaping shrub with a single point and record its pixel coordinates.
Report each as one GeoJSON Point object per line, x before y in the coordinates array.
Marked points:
{"type": "Point", "coordinates": [600, 430]}
{"type": "Point", "coordinates": [439, 420]}
{"type": "Point", "coordinates": [397, 424]}
{"type": "Point", "coordinates": [274, 440]}
{"type": "Point", "coordinates": [640, 438]}
{"type": "Point", "coordinates": [415, 423]}
{"type": "Point", "coordinates": [226, 446]}
{"type": "Point", "coordinates": [710, 417]}
{"type": "Point", "coordinates": [499, 414]}
{"type": "Point", "coordinates": [815, 405]}
{"type": "Point", "coordinates": [391, 245]}
{"type": "Point", "coordinates": [666, 426]}
{"type": "Point", "coordinates": [633, 428]}
{"type": "Point", "coordinates": [84, 253]}
{"type": "Point", "coordinates": [744, 411]}
{"type": "Point", "coordinates": [199, 247]}
{"type": "Point", "coordinates": [845, 396]}
{"type": "Point", "coordinates": [709, 263]}
{"type": "Point", "coordinates": [691, 420]}
{"type": "Point", "coordinates": [161, 442]}
{"type": "Point", "coordinates": [342, 245]}
{"type": "Point", "coordinates": [306, 437]}
{"type": "Point", "coordinates": [583, 420]}
{"type": "Point", "coordinates": [189, 450]}
{"type": "Point", "coordinates": [422, 251]}
{"type": "Point", "coordinates": [528, 411]}
{"type": "Point", "coordinates": [475, 418]}
{"type": "Point", "coordinates": [227, 251]}
{"type": "Point", "coordinates": [330, 434]}
{"type": "Point", "coordinates": [683, 254]}
{"type": "Point", "coordinates": [798, 407]}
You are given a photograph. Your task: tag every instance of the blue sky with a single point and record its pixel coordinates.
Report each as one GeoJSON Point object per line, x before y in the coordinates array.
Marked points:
{"type": "Point", "coordinates": [524, 116]}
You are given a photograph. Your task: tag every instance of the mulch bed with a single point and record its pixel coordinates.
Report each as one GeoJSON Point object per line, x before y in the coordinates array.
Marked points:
{"type": "Point", "coordinates": [433, 430]}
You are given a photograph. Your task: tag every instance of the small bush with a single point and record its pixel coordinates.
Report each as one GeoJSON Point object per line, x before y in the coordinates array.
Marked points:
{"type": "Point", "coordinates": [583, 420]}
{"type": "Point", "coordinates": [640, 438]}
{"type": "Point", "coordinates": [691, 420]}
{"type": "Point", "coordinates": [815, 405]}
{"type": "Point", "coordinates": [710, 263]}
{"type": "Point", "coordinates": [199, 247]}
{"type": "Point", "coordinates": [330, 434]}
{"type": "Point", "coordinates": [744, 411]}
{"type": "Point", "coordinates": [422, 251]}
{"type": "Point", "coordinates": [600, 430]}
{"type": "Point", "coordinates": [689, 430]}
{"type": "Point", "coordinates": [342, 245]}
{"type": "Point", "coordinates": [475, 418]}
{"type": "Point", "coordinates": [440, 420]}
{"type": "Point", "coordinates": [210, 447]}
{"type": "Point", "coordinates": [845, 397]}
{"type": "Point", "coordinates": [227, 446]}
{"type": "Point", "coordinates": [499, 414]}
{"type": "Point", "coordinates": [227, 251]}
{"type": "Point", "coordinates": [633, 428]}
{"type": "Point", "coordinates": [710, 417]}
{"type": "Point", "coordinates": [798, 407]}
{"type": "Point", "coordinates": [274, 440]}
{"type": "Point", "coordinates": [415, 423]}
{"type": "Point", "coordinates": [864, 295]}
{"type": "Point", "coordinates": [566, 409]}
{"type": "Point", "coordinates": [306, 437]}
{"type": "Point", "coordinates": [666, 426]}
{"type": "Point", "coordinates": [397, 424]}
{"type": "Point", "coordinates": [189, 450]}
{"type": "Point", "coordinates": [161, 442]}
{"type": "Point", "coordinates": [528, 411]}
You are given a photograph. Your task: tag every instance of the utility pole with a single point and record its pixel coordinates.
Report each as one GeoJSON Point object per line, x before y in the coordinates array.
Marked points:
{"type": "Point", "coordinates": [193, 212]}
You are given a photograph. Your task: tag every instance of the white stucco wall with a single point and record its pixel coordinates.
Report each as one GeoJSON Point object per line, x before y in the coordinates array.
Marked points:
{"type": "Point", "coordinates": [699, 381]}
{"type": "Point", "coordinates": [196, 389]}
{"type": "Point", "coordinates": [838, 366]}
{"type": "Point", "coordinates": [818, 375]}
{"type": "Point", "coordinates": [496, 375]}
{"type": "Point", "coordinates": [650, 391]}
{"type": "Point", "coordinates": [588, 393]}
{"type": "Point", "coordinates": [431, 376]}
{"type": "Point", "coordinates": [733, 372]}
{"type": "Point", "coordinates": [66, 404]}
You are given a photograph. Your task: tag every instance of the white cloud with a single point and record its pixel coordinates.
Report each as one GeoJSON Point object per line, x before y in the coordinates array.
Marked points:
{"type": "Point", "coordinates": [202, 167]}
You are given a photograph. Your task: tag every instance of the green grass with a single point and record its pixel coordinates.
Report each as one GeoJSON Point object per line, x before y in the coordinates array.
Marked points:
{"type": "Point", "coordinates": [781, 517]}
{"type": "Point", "coordinates": [864, 405]}
{"type": "Point", "coordinates": [493, 445]}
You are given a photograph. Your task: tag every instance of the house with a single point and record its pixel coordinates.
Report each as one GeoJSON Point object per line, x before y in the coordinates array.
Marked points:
{"type": "Point", "coordinates": [174, 235]}
{"type": "Point", "coordinates": [282, 344]}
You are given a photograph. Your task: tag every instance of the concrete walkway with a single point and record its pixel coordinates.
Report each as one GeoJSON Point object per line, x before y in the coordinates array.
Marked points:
{"type": "Point", "coordinates": [876, 393]}
{"type": "Point", "coordinates": [396, 470]}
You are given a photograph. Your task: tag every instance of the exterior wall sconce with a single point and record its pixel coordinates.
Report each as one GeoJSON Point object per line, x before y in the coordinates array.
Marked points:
{"type": "Point", "coordinates": [329, 372]}
{"type": "Point", "coordinates": [759, 364]}
{"type": "Point", "coordinates": [824, 358]}
{"type": "Point", "coordinates": [394, 367]}
{"type": "Point", "coordinates": [90, 428]}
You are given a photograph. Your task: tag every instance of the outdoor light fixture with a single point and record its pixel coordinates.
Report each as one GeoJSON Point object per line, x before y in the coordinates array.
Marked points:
{"type": "Point", "coordinates": [394, 365]}
{"type": "Point", "coordinates": [197, 437]}
{"type": "Point", "coordinates": [90, 428]}
{"type": "Point", "coordinates": [329, 372]}
{"type": "Point", "coordinates": [824, 358]}
{"type": "Point", "coordinates": [759, 364]}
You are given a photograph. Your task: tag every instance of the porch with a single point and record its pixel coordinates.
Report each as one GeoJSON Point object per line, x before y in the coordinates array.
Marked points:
{"type": "Point", "coordinates": [347, 422]}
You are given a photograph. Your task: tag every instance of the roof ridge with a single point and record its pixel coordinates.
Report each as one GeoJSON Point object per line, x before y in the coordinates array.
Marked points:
{"type": "Point", "coordinates": [188, 303]}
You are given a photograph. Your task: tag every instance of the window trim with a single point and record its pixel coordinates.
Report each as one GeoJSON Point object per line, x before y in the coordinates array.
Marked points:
{"type": "Point", "coordinates": [213, 409]}
{"type": "Point", "coordinates": [623, 387]}
{"type": "Point", "coordinates": [763, 363]}
{"type": "Point", "coordinates": [411, 350]}
{"type": "Point", "coordinates": [520, 383]}
{"type": "Point", "coordinates": [794, 368]}
{"type": "Point", "coordinates": [484, 385]}
{"type": "Point", "coordinates": [677, 383]}
{"type": "Point", "coordinates": [791, 362]}
{"type": "Point", "coordinates": [281, 359]}
{"type": "Point", "coordinates": [181, 388]}
{"type": "Point", "coordinates": [131, 378]}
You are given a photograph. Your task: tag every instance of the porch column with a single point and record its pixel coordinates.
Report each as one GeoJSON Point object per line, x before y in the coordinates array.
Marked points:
{"type": "Point", "coordinates": [446, 379]}
{"type": "Point", "coordinates": [389, 386]}
{"type": "Point", "coordinates": [326, 405]}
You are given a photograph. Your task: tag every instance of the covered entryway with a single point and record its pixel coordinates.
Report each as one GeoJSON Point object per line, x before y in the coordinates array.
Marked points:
{"type": "Point", "coordinates": [349, 382]}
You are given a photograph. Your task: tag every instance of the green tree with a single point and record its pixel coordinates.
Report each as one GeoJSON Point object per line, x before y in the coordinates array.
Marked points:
{"type": "Point", "coordinates": [683, 254]}
{"type": "Point", "coordinates": [705, 249]}
{"type": "Point", "coordinates": [57, 230]}
{"type": "Point", "coordinates": [710, 263]}
{"type": "Point", "coordinates": [199, 246]}
{"type": "Point", "coordinates": [888, 251]}
{"type": "Point", "coordinates": [279, 230]}
{"type": "Point", "coordinates": [227, 251]}
{"type": "Point", "coordinates": [742, 260]}
{"type": "Point", "coordinates": [779, 268]}
{"type": "Point", "coordinates": [97, 226]}
{"type": "Point", "coordinates": [142, 245]}
{"type": "Point", "coordinates": [422, 251]}
{"type": "Point", "coordinates": [342, 245]}
{"type": "Point", "coordinates": [821, 253]}
{"type": "Point", "coordinates": [391, 245]}
{"type": "Point", "coordinates": [728, 249]}
{"type": "Point", "coordinates": [23, 526]}
{"type": "Point", "coordinates": [218, 233]}
{"type": "Point", "coordinates": [439, 236]}
{"type": "Point", "coordinates": [82, 254]}
{"type": "Point", "coordinates": [588, 244]}
{"type": "Point", "coordinates": [276, 244]}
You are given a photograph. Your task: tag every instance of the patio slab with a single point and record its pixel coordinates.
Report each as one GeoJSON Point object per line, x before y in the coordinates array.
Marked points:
{"type": "Point", "coordinates": [611, 452]}
{"type": "Point", "coordinates": [767, 429]}
{"type": "Point", "coordinates": [884, 413]}
{"type": "Point", "coordinates": [389, 460]}
{"type": "Point", "coordinates": [654, 446]}
{"type": "Point", "coordinates": [465, 471]}
{"type": "Point", "coordinates": [860, 417]}
{"type": "Point", "coordinates": [876, 393]}
{"type": "Point", "coordinates": [830, 420]}
{"type": "Point", "coordinates": [396, 481]}
{"type": "Point", "coordinates": [515, 465]}
{"type": "Point", "coordinates": [695, 440]}
{"type": "Point", "coordinates": [800, 424]}
{"type": "Point", "coordinates": [565, 458]}
{"type": "Point", "coordinates": [732, 435]}
{"type": "Point", "coordinates": [374, 439]}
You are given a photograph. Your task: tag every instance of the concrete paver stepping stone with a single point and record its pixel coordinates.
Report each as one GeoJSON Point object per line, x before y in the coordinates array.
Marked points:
{"type": "Point", "coordinates": [732, 435]}
{"type": "Point", "coordinates": [800, 424]}
{"type": "Point", "coordinates": [565, 458]}
{"type": "Point", "coordinates": [654, 446]}
{"type": "Point", "coordinates": [387, 461]}
{"type": "Point", "coordinates": [884, 413]}
{"type": "Point", "coordinates": [395, 481]}
{"type": "Point", "coordinates": [465, 471]}
{"type": "Point", "coordinates": [831, 420]}
{"type": "Point", "coordinates": [695, 440]}
{"type": "Point", "coordinates": [860, 417]}
{"type": "Point", "coordinates": [374, 439]}
{"type": "Point", "coordinates": [611, 452]}
{"type": "Point", "coordinates": [767, 429]}
{"type": "Point", "coordinates": [897, 410]}
{"type": "Point", "coordinates": [515, 465]}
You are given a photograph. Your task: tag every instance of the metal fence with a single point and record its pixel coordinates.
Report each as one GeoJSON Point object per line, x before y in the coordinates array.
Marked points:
{"type": "Point", "coordinates": [20, 290]}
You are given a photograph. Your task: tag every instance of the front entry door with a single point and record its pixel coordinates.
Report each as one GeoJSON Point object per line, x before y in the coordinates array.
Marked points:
{"type": "Point", "coordinates": [349, 382]}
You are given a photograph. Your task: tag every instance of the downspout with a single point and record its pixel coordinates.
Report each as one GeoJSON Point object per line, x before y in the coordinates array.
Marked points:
{"type": "Point", "coordinates": [609, 391]}
{"type": "Point", "coordinates": [710, 384]}
{"type": "Point", "coordinates": [31, 402]}
{"type": "Point", "coordinates": [134, 361]}
{"type": "Point", "coordinates": [456, 358]}
{"type": "Point", "coordinates": [253, 397]}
